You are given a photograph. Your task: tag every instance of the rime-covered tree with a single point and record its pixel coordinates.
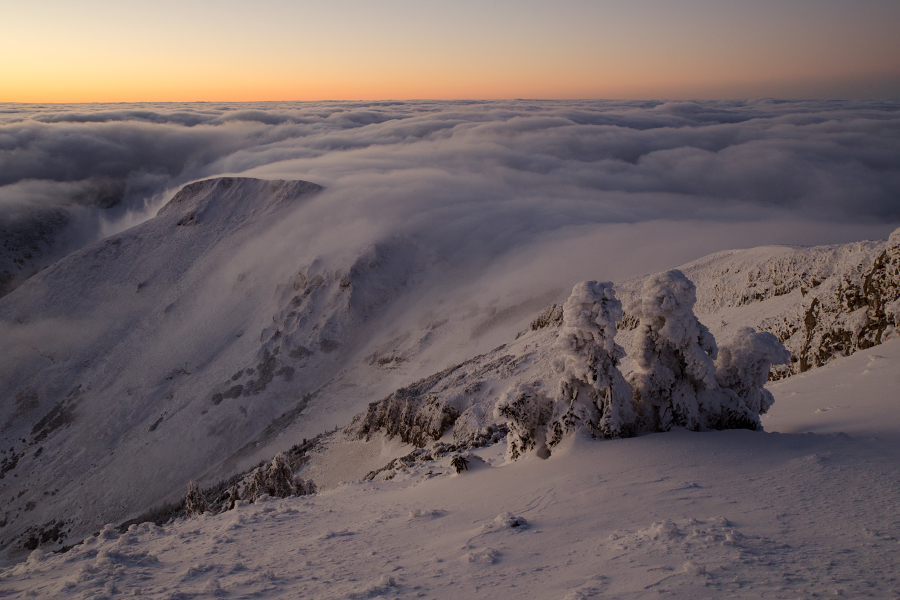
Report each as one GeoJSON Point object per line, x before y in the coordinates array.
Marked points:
{"type": "Point", "coordinates": [233, 497]}
{"type": "Point", "coordinates": [257, 484]}
{"type": "Point", "coordinates": [592, 391]}
{"type": "Point", "coordinates": [526, 409]}
{"type": "Point", "coordinates": [194, 502]}
{"type": "Point", "coordinates": [742, 369]}
{"type": "Point", "coordinates": [279, 478]}
{"type": "Point", "coordinates": [276, 479]}
{"type": "Point", "coordinates": [673, 354]}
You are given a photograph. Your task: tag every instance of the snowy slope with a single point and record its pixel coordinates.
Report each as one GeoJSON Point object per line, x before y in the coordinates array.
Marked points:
{"type": "Point", "coordinates": [850, 303]}
{"type": "Point", "coordinates": [732, 514]}
{"type": "Point", "coordinates": [115, 351]}
{"type": "Point", "coordinates": [183, 348]}
{"type": "Point", "coordinates": [149, 357]}
{"type": "Point", "coordinates": [858, 395]}
{"type": "Point", "coordinates": [215, 335]}
{"type": "Point", "coordinates": [822, 302]}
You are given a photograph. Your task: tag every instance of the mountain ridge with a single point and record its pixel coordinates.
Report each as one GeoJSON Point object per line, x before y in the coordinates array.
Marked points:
{"type": "Point", "coordinates": [136, 330]}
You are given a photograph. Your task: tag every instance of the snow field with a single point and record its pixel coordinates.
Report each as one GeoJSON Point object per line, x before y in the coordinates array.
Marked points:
{"type": "Point", "coordinates": [731, 514]}
{"type": "Point", "coordinates": [859, 394]}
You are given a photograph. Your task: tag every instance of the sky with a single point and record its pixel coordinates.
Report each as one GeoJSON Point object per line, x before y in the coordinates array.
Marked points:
{"type": "Point", "coordinates": [113, 51]}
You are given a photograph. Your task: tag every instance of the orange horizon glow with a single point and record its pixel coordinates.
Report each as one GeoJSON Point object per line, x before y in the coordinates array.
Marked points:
{"type": "Point", "coordinates": [102, 51]}
{"type": "Point", "coordinates": [247, 90]}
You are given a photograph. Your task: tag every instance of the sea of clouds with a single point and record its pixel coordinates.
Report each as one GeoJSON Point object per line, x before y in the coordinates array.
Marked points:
{"type": "Point", "coordinates": [621, 187]}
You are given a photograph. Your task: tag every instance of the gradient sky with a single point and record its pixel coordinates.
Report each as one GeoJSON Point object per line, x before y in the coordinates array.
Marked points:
{"type": "Point", "coordinates": [121, 50]}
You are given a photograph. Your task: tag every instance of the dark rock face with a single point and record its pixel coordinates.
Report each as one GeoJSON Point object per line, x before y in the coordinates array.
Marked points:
{"type": "Point", "coordinates": [552, 316]}
{"type": "Point", "coordinates": [416, 420]}
{"type": "Point", "coordinates": [859, 309]}
{"type": "Point", "coordinates": [831, 300]}
{"type": "Point", "coordinates": [417, 413]}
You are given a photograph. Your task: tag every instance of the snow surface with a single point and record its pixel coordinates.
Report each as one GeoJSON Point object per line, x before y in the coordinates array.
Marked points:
{"type": "Point", "coordinates": [240, 321]}
{"type": "Point", "coordinates": [215, 335]}
{"type": "Point", "coordinates": [731, 514]}
{"type": "Point", "coordinates": [858, 395]}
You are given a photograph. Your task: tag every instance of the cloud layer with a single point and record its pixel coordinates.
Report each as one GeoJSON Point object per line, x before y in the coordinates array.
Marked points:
{"type": "Point", "coordinates": [475, 178]}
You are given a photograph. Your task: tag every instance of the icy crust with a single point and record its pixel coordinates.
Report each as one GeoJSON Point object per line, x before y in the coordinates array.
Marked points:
{"type": "Point", "coordinates": [820, 302]}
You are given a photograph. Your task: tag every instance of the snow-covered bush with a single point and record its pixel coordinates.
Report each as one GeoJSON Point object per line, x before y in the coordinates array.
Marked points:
{"type": "Point", "coordinates": [257, 484]}
{"type": "Point", "coordinates": [276, 479]}
{"type": "Point", "coordinates": [194, 502]}
{"type": "Point", "coordinates": [234, 496]}
{"type": "Point", "coordinates": [409, 413]}
{"type": "Point", "coordinates": [527, 410]}
{"type": "Point", "coordinates": [279, 478]}
{"type": "Point", "coordinates": [592, 391]}
{"type": "Point", "coordinates": [673, 354]}
{"type": "Point", "coordinates": [303, 487]}
{"type": "Point", "coordinates": [742, 370]}
{"type": "Point", "coordinates": [892, 317]}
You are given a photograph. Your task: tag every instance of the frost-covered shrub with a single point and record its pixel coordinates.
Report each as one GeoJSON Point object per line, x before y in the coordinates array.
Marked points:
{"type": "Point", "coordinates": [526, 410]}
{"type": "Point", "coordinates": [279, 478]}
{"type": "Point", "coordinates": [415, 417]}
{"type": "Point", "coordinates": [892, 317]}
{"type": "Point", "coordinates": [742, 370]}
{"type": "Point", "coordinates": [592, 391]}
{"type": "Point", "coordinates": [276, 479]}
{"type": "Point", "coordinates": [194, 502]}
{"type": "Point", "coordinates": [257, 484]}
{"type": "Point", "coordinates": [304, 487]}
{"type": "Point", "coordinates": [233, 497]}
{"type": "Point", "coordinates": [673, 354]}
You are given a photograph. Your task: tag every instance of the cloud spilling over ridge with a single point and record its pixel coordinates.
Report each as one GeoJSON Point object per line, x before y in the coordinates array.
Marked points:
{"type": "Point", "coordinates": [494, 174]}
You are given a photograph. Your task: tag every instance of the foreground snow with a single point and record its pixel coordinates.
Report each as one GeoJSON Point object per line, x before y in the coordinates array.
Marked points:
{"type": "Point", "coordinates": [714, 514]}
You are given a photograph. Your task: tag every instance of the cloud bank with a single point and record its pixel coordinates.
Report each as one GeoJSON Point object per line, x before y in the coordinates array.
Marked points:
{"type": "Point", "coordinates": [476, 179]}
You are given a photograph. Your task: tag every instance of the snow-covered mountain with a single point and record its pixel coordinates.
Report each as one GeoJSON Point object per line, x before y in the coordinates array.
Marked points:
{"type": "Point", "coordinates": [208, 338]}
{"type": "Point", "coordinates": [821, 302]}
{"type": "Point", "coordinates": [152, 356]}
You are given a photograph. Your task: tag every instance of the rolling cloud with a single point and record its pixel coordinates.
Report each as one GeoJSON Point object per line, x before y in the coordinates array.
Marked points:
{"type": "Point", "coordinates": [476, 178]}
